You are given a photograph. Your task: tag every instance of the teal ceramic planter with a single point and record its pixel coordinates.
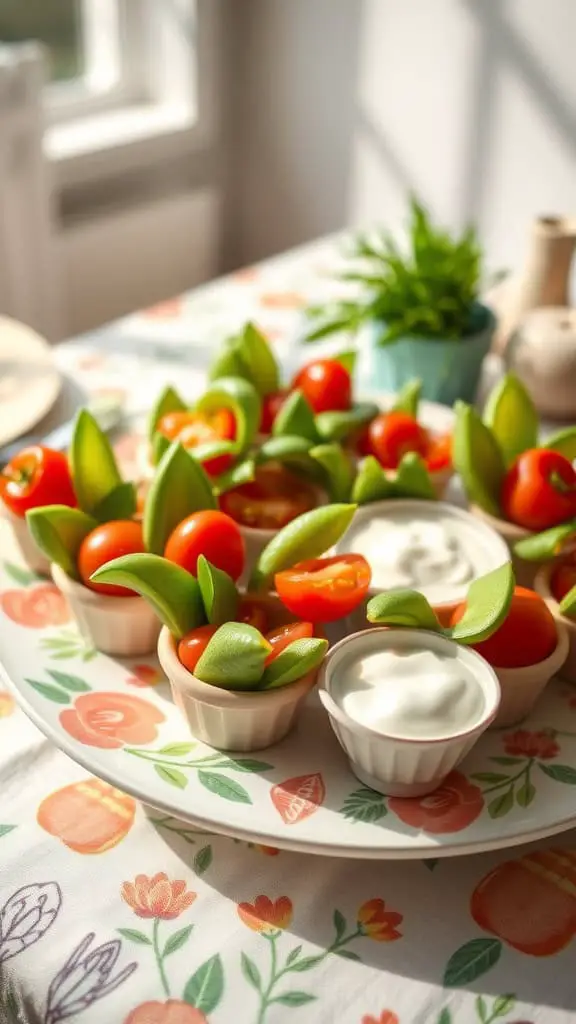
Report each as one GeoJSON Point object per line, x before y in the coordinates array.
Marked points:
{"type": "Point", "coordinates": [448, 369]}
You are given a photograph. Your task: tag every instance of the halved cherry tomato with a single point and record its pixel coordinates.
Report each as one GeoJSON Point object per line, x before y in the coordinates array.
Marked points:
{"type": "Point", "coordinates": [274, 498]}
{"type": "Point", "coordinates": [193, 645]}
{"type": "Point", "coordinates": [209, 533]}
{"type": "Point", "coordinates": [563, 578]}
{"type": "Point", "coordinates": [281, 637]}
{"type": "Point", "coordinates": [194, 429]}
{"type": "Point", "coordinates": [527, 635]}
{"type": "Point", "coordinates": [324, 589]}
{"type": "Point", "coordinates": [439, 454]}
{"type": "Point", "coordinates": [253, 611]}
{"type": "Point", "coordinates": [539, 490]}
{"type": "Point", "coordinates": [392, 434]}
{"type": "Point", "coordinates": [108, 541]}
{"type": "Point", "coordinates": [271, 405]}
{"type": "Point", "coordinates": [36, 476]}
{"type": "Point", "coordinates": [325, 384]}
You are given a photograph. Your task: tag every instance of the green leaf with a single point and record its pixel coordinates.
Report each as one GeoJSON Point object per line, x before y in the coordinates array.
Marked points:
{"type": "Point", "coordinates": [564, 442]}
{"type": "Point", "coordinates": [205, 988]}
{"type": "Point", "coordinates": [445, 1016]}
{"type": "Point", "coordinates": [506, 760]}
{"type": "Point", "coordinates": [431, 863]}
{"type": "Point", "coordinates": [347, 359]}
{"type": "Point", "coordinates": [257, 355]}
{"type": "Point", "coordinates": [294, 662]}
{"type": "Point", "coordinates": [176, 749]}
{"type": "Point", "coordinates": [364, 805]}
{"type": "Point", "coordinates": [348, 954]}
{"type": "Point", "coordinates": [224, 787]}
{"type": "Point", "coordinates": [234, 657]}
{"type": "Point", "coordinates": [307, 536]}
{"type": "Point", "coordinates": [402, 608]}
{"type": "Point", "coordinates": [339, 924]}
{"type": "Point", "coordinates": [171, 591]}
{"type": "Point", "coordinates": [503, 1005]}
{"type": "Point", "coordinates": [478, 459]}
{"type": "Point", "coordinates": [242, 473]}
{"type": "Point", "coordinates": [296, 419]}
{"type": "Point", "coordinates": [559, 772]}
{"type": "Point", "coordinates": [511, 416]}
{"type": "Point", "coordinates": [95, 473]}
{"type": "Point", "coordinates": [487, 605]}
{"type": "Point", "coordinates": [489, 777]}
{"type": "Point", "coordinates": [179, 488]}
{"type": "Point", "coordinates": [502, 804]}
{"type": "Point", "coordinates": [294, 999]}
{"type": "Point", "coordinates": [245, 764]}
{"type": "Point", "coordinates": [471, 961]}
{"type": "Point", "coordinates": [120, 503]}
{"type": "Point", "coordinates": [241, 397]}
{"type": "Point", "coordinates": [6, 829]}
{"type": "Point", "coordinates": [59, 531]}
{"type": "Point", "coordinates": [412, 479]}
{"type": "Point", "coordinates": [168, 401]}
{"type": "Point", "coordinates": [251, 972]}
{"type": "Point", "coordinates": [307, 963]}
{"type": "Point", "coordinates": [335, 426]}
{"type": "Point", "coordinates": [177, 940]}
{"type": "Point", "coordinates": [540, 547]}
{"type": "Point", "coordinates": [568, 604]}
{"type": "Point", "coordinates": [51, 692]}
{"type": "Point", "coordinates": [481, 1009]}
{"type": "Point", "coordinates": [338, 469]}
{"type": "Point", "coordinates": [526, 794]}
{"type": "Point", "coordinates": [74, 683]}
{"type": "Point", "coordinates": [218, 591]}
{"type": "Point", "coordinates": [20, 575]}
{"type": "Point", "coordinates": [408, 398]}
{"type": "Point", "coordinates": [203, 860]}
{"type": "Point", "coordinates": [160, 445]}
{"type": "Point", "coordinates": [134, 936]}
{"type": "Point", "coordinates": [173, 776]}
{"type": "Point", "coordinates": [371, 483]}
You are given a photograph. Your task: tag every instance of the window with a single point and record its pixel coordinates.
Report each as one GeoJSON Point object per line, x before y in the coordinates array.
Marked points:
{"type": "Point", "coordinates": [56, 23]}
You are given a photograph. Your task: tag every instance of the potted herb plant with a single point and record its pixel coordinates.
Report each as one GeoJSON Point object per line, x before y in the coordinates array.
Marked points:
{"type": "Point", "coordinates": [418, 310]}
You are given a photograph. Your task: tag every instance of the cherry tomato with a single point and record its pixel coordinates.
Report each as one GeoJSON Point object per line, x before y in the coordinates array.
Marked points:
{"type": "Point", "coordinates": [527, 635]}
{"type": "Point", "coordinates": [36, 476]}
{"type": "Point", "coordinates": [108, 541]}
{"type": "Point", "coordinates": [209, 533]}
{"type": "Point", "coordinates": [281, 637]}
{"type": "Point", "coordinates": [392, 434]}
{"type": "Point", "coordinates": [271, 405]}
{"type": "Point", "coordinates": [193, 645]}
{"type": "Point", "coordinates": [274, 498]}
{"type": "Point", "coordinates": [325, 384]}
{"type": "Point", "coordinates": [324, 589]}
{"type": "Point", "coordinates": [563, 578]}
{"type": "Point", "coordinates": [439, 454]}
{"type": "Point", "coordinates": [539, 490]}
{"type": "Point", "coordinates": [194, 429]}
{"type": "Point", "coordinates": [253, 611]}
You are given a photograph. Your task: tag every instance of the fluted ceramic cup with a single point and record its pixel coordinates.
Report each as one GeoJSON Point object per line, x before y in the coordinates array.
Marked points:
{"type": "Point", "coordinates": [24, 542]}
{"type": "Point", "coordinates": [542, 586]}
{"type": "Point", "coordinates": [521, 687]}
{"type": "Point", "coordinates": [122, 626]}
{"type": "Point", "coordinates": [394, 765]}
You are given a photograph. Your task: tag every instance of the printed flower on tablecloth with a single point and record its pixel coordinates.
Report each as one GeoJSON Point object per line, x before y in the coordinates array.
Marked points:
{"type": "Point", "coordinates": [7, 704]}
{"type": "Point", "coordinates": [87, 975]}
{"type": "Point", "coordinates": [282, 300]}
{"type": "Point", "coordinates": [26, 916]}
{"type": "Point", "coordinates": [161, 899]}
{"type": "Point", "coordinates": [266, 916]}
{"type": "Point", "coordinates": [386, 1017]}
{"type": "Point", "coordinates": [169, 309]}
{"type": "Point", "coordinates": [174, 1011]}
{"type": "Point", "coordinates": [377, 923]}
{"type": "Point", "coordinates": [36, 607]}
{"type": "Point", "coordinates": [145, 675]}
{"type": "Point", "coordinates": [109, 720]}
{"type": "Point", "coordinates": [523, 743]}
{"type": "Point", "coordinates": [89, 817]}
{"type": "Point", "coordinates": [450, 808]}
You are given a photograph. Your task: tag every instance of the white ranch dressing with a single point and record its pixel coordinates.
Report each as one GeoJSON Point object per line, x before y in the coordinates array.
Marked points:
{"type": "Point", "coordinates": [412, 693]}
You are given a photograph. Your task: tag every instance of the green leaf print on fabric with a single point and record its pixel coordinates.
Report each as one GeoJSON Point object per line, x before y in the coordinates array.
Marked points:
{"type": "Point", "coordinates": [471, 961]}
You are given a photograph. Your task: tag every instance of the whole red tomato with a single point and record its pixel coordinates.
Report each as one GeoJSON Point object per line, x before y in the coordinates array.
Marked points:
{"type": "Point", "coordinates": [209, 533]}
{"type": "Point", "coordinates": [527, 635]}
{"type": "Point", "coordinates": [194, 429]}
{"type": "Point", "coordinates": [539, 490]}
{"type": "Point", "coordinates": [274, 498]}
{"type": "Point", "coordinates": [192, 646]}
{"type": "Point", "coordinates": [36, 476]}
{"type": "Point", "coordinates": [325, 384]}
{"type": "Point", "coordinates": [392, 434]}
{"type": "Point", "coordinates": [271, 405]}
{"type": "Point", "coordinates": [324, 589]}
{"type": "Point", "coordinates": [108, 541]}
{"type": "Point", "coordinates": [563, 578]}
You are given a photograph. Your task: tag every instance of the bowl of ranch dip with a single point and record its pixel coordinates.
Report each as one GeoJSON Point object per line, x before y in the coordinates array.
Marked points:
{"type": "Point", "coordinates": [406, 705]}
{"type": "Point", "coordinates": [429, 546]}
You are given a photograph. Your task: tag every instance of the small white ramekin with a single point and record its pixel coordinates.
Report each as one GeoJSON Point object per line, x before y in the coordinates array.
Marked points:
{"type": "Point", "coordinates": [24, 542]}
{"type": "Point", "coordinates": [123, 626]}
{"type": "Point", "coordinates": [232, 719]}
{"type": "Point", "coordinates": [521, 687]}
{"type": "Point", "coordinates": [542, 587]}
{"type": "Point", "coordinates": [390, 764]}
{"type": "Point", "coordinates": [510, 533]}
{"type": "Point", "coordinates": [496, 550]}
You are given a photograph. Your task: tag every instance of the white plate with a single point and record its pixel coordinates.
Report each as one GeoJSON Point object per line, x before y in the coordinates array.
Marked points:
{"type": "Point", "coordinates": [29, 380]}
{"type": "Point", "coordinates": [299, 795]}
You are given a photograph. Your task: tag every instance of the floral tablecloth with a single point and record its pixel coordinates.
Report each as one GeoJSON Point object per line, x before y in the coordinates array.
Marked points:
{"type": "Point", "coordinates": [110, 914]}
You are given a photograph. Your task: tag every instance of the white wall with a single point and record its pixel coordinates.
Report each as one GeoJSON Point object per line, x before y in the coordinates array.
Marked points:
{"type": "Point", "coordinates": [342, 106]}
